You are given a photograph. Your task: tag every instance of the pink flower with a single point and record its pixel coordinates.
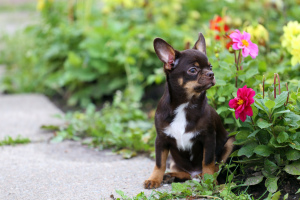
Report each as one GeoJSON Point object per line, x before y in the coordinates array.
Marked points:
{"type": "Point", "coordinates": [242, 41]}
{"type": "Point", "coordinates": [242, 103]}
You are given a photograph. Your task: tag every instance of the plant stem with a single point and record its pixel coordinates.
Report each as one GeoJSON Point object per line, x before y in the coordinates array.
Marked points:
{"type": "Point", "coordinates": [253, 123]}
{"type": "Point", "coordinates": [237, 66]}
{"type": "Point", "coordinates": [287, 99]}
{"type": "Point", "coordinates": [278, 79]}
{"type": "Point", "coordinates": [275, 85]}
{"type": "Point", "coordinates": [263, 86]}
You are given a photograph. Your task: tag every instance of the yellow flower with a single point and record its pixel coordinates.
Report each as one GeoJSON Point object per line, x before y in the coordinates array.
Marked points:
{"type": "Point", "coordinates": [40, 5]}
{"type": "Point", "coordinates": [258, 33]}
{"type": "Point", "coordinates": [291, 30]}
{"type": "Point", "coordinates": [295, 50]}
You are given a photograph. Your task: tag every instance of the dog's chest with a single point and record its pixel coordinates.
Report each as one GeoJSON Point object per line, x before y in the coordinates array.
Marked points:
{"type": "Point", "coordinates": [177, 127]}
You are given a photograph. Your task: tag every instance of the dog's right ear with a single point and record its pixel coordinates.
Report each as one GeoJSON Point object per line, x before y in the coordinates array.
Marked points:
{"type": "Point", "coordinates": [165, 52]}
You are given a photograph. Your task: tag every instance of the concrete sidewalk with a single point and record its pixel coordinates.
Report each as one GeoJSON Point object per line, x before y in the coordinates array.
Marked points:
{"type": "Point", "coordinates": [67, 170]}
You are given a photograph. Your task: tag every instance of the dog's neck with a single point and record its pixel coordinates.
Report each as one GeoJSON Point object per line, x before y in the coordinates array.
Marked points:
{"type": "Point", "coordinates": [176, 98]}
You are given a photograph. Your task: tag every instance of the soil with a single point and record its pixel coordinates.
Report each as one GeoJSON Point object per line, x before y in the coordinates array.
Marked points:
{"type": "Point", "coordinates": [288, 184]}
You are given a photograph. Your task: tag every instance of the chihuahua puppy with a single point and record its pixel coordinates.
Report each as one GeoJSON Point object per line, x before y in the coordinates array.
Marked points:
{"type": "Point", "coordinates": [187, 127]}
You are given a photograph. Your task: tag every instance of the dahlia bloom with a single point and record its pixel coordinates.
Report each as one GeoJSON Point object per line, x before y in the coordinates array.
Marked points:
{"type": "Point", "coordinates": [242, 41]}
{"type": "Point", "coordinates": [218, 24]}
{"type": "Point", "coordinates": [290, 32]}
{"type": "Point", "coordinates": [295, 51]}
{"type": "Point", "coordinates": [242, 103]}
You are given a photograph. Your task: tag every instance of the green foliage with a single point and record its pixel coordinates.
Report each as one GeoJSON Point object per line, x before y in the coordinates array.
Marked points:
{"type": "Point", "coordinates": [84, 50]}
{"type": "Point", "coordinates": [193, 189]}
{"type": "Point", "coordinates": [271, 141]}
{"type": "Point", "coordinates": [8, 140]}
{"type": "Point", "coordinates": [121, 125]}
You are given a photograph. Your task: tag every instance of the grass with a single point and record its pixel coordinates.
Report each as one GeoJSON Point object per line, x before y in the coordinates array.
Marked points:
{"type": "Point", "coordinates": [8, 140]}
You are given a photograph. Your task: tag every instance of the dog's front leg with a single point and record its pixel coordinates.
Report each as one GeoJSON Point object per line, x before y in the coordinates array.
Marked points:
{"type": "Point", "coordinates": [157, 175]}
{"type": "Point", "coordinates": [208, 162]}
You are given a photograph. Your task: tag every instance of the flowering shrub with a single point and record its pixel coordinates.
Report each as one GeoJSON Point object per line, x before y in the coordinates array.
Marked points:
{"type": "Point", "coordinates": [270, 139]}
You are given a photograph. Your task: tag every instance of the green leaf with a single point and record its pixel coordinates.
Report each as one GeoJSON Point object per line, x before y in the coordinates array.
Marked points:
{"type": "Point", "coordinates": [282, 137]}
{"type": "Point", "coordinates": [263, 150]}
{"type": "Point", "coordinates": [283, 111]}
{"type": "Point", "coordinates": [274, 142]}
{"type": "Point", "coordinates": [222, 109]}
{"type": "Point", "coordinates": [271, 184]}
{"type": "Point", "coordinates": [253, 180]}
{"type": "Point", "coordinates": [122, 194]}
{"type": "Point", "coordinates": [280, 99]}
{"type": "Point", "coordinates": [229, 121]}
{"type": "Point", "coordinates": [254, 133]}
{"type": "Point", "coordinates": [247, 149]}
{"type": "Point", "coordinates": [298, 191]}
{"type": "Point", "coordinates": [292, 154]}
{"type": "Point", "coordinates": [270, 166]}
{"type": "Point", "coordinates": [233, 133]}
{"type": "Point", "coordinates": [286, 196]}
{"type": "Point", "coordinates": [270, 104]}
{"type": "Point", "coordinates": [254, 110]}
{"type": "Point", "coordinates": [293, 168]}
{"type": "Point", "coordinates": [260, 105]}
{"type": "Point", "coordinates": [278, 129]}
{"type": "Point", "coordinates": [178, 187]}
{"type": "Point", "coordinates": [276, 196]}
{"type": "Point", "coordinates": [295, 145]}
{"type": "Point", "coordinates": [261, 123]}
{"type": "Point", "coordinates": [221, 99]}
{"type": "Point", "coordinates": [241, 137]}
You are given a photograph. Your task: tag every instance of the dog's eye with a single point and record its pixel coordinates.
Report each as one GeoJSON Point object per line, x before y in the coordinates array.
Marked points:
{"type": "Point", "coordinates": [193, 70]}
{"type": "Point", "coordinates": [210, 67]}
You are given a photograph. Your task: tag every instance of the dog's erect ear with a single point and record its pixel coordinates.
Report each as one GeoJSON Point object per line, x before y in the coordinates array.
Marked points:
{"type": "Point", "coordinates": [165, 52]}
{"type": "Point", "coordinates": [200, 44]}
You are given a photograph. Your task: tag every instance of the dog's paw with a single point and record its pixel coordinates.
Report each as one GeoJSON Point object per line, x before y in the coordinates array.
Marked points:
{"type": "Point", "coordinates": [149, 184]}
{"type": "Point", "coordinates": [168, 178]}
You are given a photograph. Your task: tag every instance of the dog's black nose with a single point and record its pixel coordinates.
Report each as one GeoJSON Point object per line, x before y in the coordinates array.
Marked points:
{"type": "Point", "coordinates": [210, 74]}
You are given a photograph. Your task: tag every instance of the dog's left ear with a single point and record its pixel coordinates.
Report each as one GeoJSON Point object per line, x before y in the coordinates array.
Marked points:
{"type": "Point", "coordinates": [200, 44]}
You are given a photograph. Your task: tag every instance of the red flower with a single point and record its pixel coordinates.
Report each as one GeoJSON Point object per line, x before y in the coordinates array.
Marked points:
{"type": "Point", "coordinates": [242, 103]}
{"type": "Point", "coordinates": [218, 24]}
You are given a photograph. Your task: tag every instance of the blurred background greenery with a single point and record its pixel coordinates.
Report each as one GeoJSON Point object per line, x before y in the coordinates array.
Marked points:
{"type": "Point", "coordinates": [85, 50]}
{"type": "Point", "coordinates": [80, 52]}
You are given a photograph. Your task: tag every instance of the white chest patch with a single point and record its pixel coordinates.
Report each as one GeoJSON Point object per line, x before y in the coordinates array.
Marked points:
{"type": "Point", "coordinates": [177, 129]}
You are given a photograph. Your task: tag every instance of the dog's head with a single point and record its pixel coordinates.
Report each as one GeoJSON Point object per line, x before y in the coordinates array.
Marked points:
{"type": "Point", "coordinates": [188, 69]}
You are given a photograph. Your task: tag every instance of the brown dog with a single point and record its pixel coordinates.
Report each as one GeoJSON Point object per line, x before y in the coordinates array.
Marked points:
{"type": "Point", "coordinates": [186, 125]}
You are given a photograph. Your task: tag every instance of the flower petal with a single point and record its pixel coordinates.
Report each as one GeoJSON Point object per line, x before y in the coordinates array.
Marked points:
{"type": "Point", "coordinates": [248, 111]}
{"type": "Point", "coordinates": [237, 114]}
{"type": "Point", "coordinates": [247, 36]}
{"type": "Point", "coordinates": [233, 103]}
{"type": "Point", "coordinates": [235, 47]}
{"type": "Point", "coordinates": [243, 116]}
{"type": "Point", "coordinates": [245, 52]}
{"type": "Point", "coordinates": [253, 50]}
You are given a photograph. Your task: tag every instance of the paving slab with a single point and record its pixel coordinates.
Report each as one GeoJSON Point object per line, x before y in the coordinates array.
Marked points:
{"type": "Point", "coordinates": [69, 171]}
{"type": "Point", "coordinates": [24, 114]}
{"type": "Point", "coordinates": [66, 170]}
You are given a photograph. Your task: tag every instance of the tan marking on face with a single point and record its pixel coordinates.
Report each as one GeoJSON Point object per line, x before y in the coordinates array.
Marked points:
{"type": "Point", "coordinates": [208, 63]}
{"type": "Point", "coordinates": [189, 88]}
{"type": "Point", "coordinates": [196, 64]}
{"type": "Point", "coordinates": [180, 81]}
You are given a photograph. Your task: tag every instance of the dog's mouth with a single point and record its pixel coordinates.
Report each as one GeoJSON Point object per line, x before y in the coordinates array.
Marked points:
{"type": "Point", "coordinates": [206, 86]}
